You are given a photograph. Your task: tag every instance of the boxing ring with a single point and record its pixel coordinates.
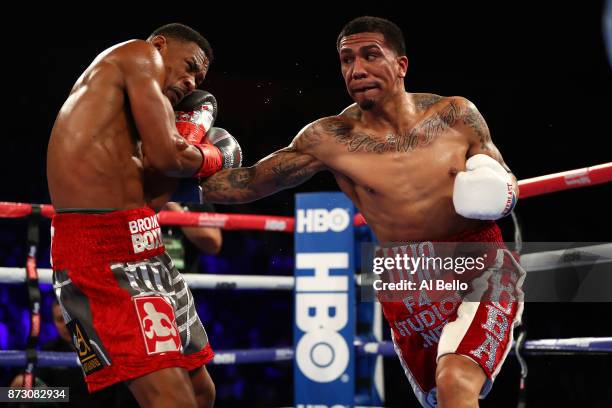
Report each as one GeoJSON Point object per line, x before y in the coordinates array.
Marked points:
{"type": "Point", "coordinates": [366, 348]}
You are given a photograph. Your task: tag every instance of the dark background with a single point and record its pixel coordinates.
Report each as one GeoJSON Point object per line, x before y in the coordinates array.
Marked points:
{"type": "Point", "coordinates": [539, 75]}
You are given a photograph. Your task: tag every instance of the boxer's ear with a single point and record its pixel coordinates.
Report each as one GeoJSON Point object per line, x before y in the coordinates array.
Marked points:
{"type": "Point", "coordinates": [402, 63]}
{"type": "Point", "coordinates": [160, 42]}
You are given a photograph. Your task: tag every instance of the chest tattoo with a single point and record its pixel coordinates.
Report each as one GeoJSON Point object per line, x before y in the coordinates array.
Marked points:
{"type": "Point", "coordinates": [419, 136]}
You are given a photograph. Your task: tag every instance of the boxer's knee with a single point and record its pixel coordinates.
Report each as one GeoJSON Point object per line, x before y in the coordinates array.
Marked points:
{"type": "Point", "coordinates": [458, 379]}
{"type": "Point", "coordinates": [451, 384]}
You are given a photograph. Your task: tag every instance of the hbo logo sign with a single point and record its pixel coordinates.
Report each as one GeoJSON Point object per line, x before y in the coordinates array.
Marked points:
{"type": "Point", "coordinates": [322, 220]}
{"type": "Point", "coordinates": [321, 308]}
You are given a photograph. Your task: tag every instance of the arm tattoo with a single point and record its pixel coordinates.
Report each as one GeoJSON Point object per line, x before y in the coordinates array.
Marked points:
{"type": "Point", "coordinates": [450, 114]}
{"type": "Point", "coordinates": [229, 186]}
{"type": "Point", "coordinates": [283, 169]}
{"type": "Point", "coordinates": [240, 178]}
{"type": "Point", "coordinates": [474, 120]}
{"type": "Point", "coordinates": [340, 129]}
{"type": "Point", "coordinates": [310, 138]}
{"type": "Point", "coordinates": [434, 125]}
{"type": "Point", "coordinates": [291, 174]}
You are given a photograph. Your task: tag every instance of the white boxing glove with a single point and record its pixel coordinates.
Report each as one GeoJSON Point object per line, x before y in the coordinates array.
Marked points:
{"type": "Point", "coordinates": [485, 190]}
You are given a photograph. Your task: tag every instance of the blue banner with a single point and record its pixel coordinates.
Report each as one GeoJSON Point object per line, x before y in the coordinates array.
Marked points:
{"type": "Point", "coordinates": [324, 327]}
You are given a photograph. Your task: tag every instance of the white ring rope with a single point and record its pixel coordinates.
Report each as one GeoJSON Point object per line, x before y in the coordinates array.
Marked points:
{"type": "Point", "coordinates": [539, 261]}
{"type": "Point", "coordinates": [245, 282]}
{"type": "Point", "coordinates": [571, 257]}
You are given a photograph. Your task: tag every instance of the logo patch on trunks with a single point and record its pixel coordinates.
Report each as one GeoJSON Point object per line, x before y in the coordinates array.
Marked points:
{"type": "Point", "coordinates": [90, 362]}
{"type": "Point", "coordinates": [146, 234]}
{"type": "Point", "coordinates": [158, 324]}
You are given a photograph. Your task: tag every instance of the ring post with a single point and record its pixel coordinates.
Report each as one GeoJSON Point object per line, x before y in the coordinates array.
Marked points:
{"type": "Point", "coordinates": [324, 327]}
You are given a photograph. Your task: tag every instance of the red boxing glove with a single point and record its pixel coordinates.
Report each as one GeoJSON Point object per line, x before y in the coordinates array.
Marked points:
{"type": "Point", "coordinates": [195, 115]}
{"type": "Point", "coordinates": [212, 160]}
{"type": "Point", "coordinates": [224, 153]}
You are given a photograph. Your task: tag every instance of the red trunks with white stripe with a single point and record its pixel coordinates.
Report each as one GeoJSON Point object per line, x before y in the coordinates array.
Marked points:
{"type": "Point", "coordinates": [477, 325]}
{"type": "Point", "coordinates": [128, 309]}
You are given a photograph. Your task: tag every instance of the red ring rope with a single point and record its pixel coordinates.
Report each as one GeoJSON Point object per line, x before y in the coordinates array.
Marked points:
{"type": "Point", "coordinates": [587, 176]}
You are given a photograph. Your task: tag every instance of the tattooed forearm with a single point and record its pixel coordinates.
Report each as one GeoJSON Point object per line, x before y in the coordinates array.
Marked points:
{"type": "Point", "coordinates": [240, 178]}
{"type": "Point", "coordinates": [283, 169]}
{"type": "Point", "coordinates": [229, 186]}
{"type": "Point", "coordinates": [291, 174]}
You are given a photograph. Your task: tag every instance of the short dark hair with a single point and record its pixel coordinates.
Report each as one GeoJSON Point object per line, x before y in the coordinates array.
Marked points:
{"type": "Point", "coordinates": [368, 24]}
{"type": "Point", "coordinates": [184, 33]}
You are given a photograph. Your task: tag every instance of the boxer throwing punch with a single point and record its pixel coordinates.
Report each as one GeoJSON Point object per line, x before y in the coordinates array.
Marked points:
{"type": "Point", "coordinates": [420, 167]}
{"type": "Point", "coordinates": [114, 154]}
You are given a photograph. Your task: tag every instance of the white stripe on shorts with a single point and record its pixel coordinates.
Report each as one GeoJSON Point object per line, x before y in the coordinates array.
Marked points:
{"type": "Point", "coordinates": [454, 332]}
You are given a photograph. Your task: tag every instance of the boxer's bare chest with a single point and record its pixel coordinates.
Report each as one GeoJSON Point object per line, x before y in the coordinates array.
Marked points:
{"type": "Point", "coordinates": [385, 160]}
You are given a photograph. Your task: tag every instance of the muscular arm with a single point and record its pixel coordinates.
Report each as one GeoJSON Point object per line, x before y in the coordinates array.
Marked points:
{"type": "Point", "coordinates": [162, 148]}
{"type": "Point", "coordinates": [282, 169]}
{"type": "Point", "coordinates": [474, 126]}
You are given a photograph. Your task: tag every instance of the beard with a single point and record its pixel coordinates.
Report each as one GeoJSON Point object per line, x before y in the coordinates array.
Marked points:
{"type": "Point", "coordinates": [366, 104]}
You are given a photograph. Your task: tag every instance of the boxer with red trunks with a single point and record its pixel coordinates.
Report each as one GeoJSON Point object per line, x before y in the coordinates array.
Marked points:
{"type": "Point", "coordinates": [419, 167]}
{"type": "Point", "coordinates": [476, 322]}
{"type": "Point", "coordinates": [115, 156]}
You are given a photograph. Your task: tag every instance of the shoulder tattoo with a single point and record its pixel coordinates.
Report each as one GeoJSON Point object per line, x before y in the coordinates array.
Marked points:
{"type": "Point", "coordinates": [424, 101]}
{"type": "Point", "coordinates": [474, 119]}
